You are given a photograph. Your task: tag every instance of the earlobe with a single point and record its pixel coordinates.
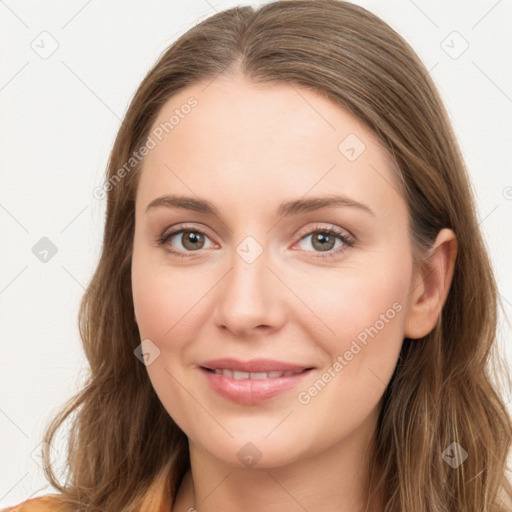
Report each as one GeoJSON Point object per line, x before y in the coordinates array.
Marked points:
{"type": "Point", "coordinates": [431, 285]}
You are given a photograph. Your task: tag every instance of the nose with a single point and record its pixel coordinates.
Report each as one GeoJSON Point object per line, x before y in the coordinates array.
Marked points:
{"type": "Point", "coordinates": [250, 297]}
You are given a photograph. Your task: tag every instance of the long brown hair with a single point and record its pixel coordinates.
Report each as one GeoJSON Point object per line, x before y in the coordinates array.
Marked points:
{"type": "Point", "coordinates": [126, 454]}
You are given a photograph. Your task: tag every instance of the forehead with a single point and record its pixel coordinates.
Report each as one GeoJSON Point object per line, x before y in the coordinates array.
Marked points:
{"type": "Point", "coordinates": [237, 112]}
{"type": "Point", "coordinates": [260, 141]}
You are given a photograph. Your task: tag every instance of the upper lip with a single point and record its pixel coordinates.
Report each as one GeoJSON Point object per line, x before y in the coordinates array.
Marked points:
{"type": "Point", "coordinates": [253, 366]}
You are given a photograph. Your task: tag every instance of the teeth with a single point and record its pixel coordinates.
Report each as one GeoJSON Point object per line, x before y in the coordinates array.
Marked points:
{"type": "Point", "coordinates": [240, 375]}
{"type": "Point", "coordinates": [237, 375]}
{"type": "Point", "coordinates": [259, 375]}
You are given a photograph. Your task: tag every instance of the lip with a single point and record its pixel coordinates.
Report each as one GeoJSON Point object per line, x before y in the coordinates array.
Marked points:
{"type": "Point", "coordinates": [252, 391]}
{"type": "Point", "coordinates": [253, 366]}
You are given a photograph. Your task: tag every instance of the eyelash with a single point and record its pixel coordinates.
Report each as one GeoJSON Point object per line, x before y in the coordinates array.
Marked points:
{"type": "Point", "coordinates": [346, 239]}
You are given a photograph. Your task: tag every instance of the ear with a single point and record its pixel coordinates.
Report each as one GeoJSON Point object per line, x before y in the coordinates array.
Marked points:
{"type": "Point", "coordinates": [430, 286]}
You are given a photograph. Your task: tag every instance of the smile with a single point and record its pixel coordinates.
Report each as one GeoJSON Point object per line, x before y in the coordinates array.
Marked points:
{"type": "Point", "coordinates": [250, 388]}
{"type": "Point", "coordinates": [239, 375]}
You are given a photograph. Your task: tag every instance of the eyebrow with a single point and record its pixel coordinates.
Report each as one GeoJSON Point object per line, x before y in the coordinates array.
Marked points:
{"type": "Point", "coordinates": [286, 208]}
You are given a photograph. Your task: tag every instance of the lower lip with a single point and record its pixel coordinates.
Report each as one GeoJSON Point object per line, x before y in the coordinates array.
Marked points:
{"type": "Point", "coordinates": [252, 391]}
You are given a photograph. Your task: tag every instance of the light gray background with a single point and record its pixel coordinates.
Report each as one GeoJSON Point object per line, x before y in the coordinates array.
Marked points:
{"type": "Point", "coordinates": [59, 117]}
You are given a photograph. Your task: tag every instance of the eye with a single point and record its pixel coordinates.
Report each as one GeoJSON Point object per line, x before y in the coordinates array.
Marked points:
{"type": "Point", "coordinates": [190, 238]}
{"type": "Point", "coordinates": [193, 240]}
{"type": "Point", "coordinates": [324, 240]}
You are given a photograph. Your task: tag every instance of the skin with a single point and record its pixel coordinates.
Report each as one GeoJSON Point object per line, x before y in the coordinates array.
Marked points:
{"type": "Point", "coordinates": [246, 148]}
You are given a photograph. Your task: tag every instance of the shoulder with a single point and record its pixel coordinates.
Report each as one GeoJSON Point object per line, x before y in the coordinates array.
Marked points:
{"type": "Point", "coordinates": [48, 503]}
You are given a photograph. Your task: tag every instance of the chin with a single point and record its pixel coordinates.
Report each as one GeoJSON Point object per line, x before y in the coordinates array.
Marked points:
{"type": "Point", "coordinates": [255, 451]}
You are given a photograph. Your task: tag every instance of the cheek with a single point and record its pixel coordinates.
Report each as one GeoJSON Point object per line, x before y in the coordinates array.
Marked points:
{"type": "Point", "coordinates": [365, 316]}
{"type": "Point", "coordinates": [152, 303]}
{"type": "Point", "coordinates": [161, 298]}
{"type": "Point", "coordinates": [161, 302]}
{"type": "Point", "coordinates": [360, 317]}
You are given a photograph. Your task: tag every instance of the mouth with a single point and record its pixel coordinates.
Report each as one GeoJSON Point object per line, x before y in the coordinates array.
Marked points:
{"type": "Point", "coordinates": [252, 382]}
{"type": "Point", "coordinates": [253, 367]}
{"type": "Point", "coordinates": [240, 375]}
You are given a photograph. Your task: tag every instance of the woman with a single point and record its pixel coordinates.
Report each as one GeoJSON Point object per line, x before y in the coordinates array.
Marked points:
{"type": "Point", "coordinates": [233, 365]}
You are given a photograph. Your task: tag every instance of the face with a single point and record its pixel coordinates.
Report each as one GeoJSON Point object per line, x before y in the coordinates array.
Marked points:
{"type": "Point", "coordinates": [266, 275]}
